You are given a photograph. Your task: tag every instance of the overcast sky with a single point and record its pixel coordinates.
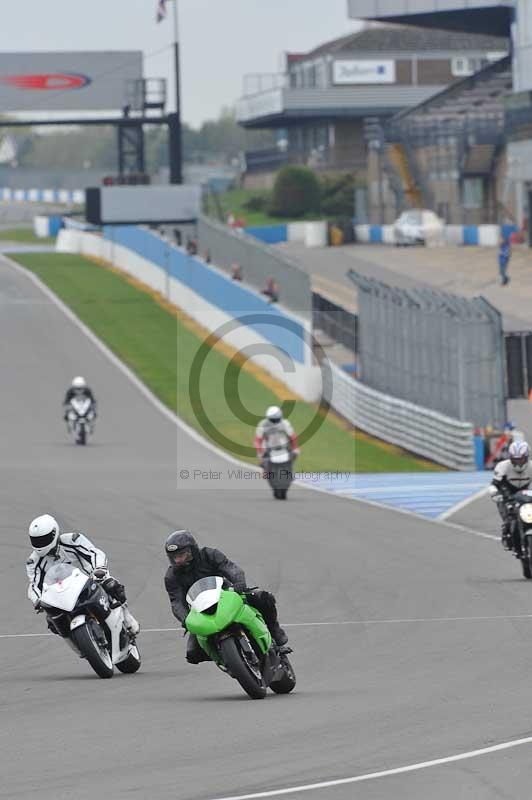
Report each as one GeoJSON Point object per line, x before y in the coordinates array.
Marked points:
{"type": "Point", "coordinates": [221, 40]}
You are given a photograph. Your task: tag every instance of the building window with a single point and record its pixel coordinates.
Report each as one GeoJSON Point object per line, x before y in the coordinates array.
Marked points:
{"type": "Point", "coordinates": [473, 193]}
{"type": "Point", "coordinates": [462, 66]}
{"type": "Point", "coordinates": [310, 82]}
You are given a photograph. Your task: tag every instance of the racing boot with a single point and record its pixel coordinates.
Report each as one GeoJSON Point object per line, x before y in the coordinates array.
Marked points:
{"type": "Point", "coordinates": [131, 623]}
{"type": "Point", "coordinates": [506, 536]}
{"type": "Point", "coordinates": [278, 634]}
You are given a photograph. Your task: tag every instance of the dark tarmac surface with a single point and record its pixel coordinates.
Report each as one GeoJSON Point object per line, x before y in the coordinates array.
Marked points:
{"type": "Point", "coordinates": [370, 696]}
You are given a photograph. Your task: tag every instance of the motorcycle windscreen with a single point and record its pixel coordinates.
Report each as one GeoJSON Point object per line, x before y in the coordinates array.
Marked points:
{"type": "Point", "coordinates": [63, 585]}
{"type": "Point", "coordinates": [205, 593]}
{"type": "Point", "coordinates": [58, 573]}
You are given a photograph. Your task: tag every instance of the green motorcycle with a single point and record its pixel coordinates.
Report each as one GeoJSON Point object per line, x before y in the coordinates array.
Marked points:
{"type": "Point", "coordinates": [235, 636]}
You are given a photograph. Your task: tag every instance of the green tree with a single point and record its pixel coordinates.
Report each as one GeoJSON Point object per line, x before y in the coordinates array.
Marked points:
{"type": "Point", "coordinates": [296, 192]}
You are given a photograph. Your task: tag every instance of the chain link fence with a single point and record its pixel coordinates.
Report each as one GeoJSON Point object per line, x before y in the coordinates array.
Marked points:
{"type": "Point", "coordinates": [432, 348]}
{"type": "Point", "coordinates": [258, 264]}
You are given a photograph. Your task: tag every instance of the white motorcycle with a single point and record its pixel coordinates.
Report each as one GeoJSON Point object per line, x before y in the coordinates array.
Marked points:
{"type": "Point", "coordinates": [80, 418]}
{"type": "Point", "coordinates": [82, 613]}
{"type": "Point", "coordinates": [278, 461]}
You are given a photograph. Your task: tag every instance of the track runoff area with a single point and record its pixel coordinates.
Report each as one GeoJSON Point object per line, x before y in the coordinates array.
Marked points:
{"type": "Point", "coordinates": [411, 637]}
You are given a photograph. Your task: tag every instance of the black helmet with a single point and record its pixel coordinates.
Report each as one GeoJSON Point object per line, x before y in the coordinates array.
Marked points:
{"type": "Point", "coordinates": [183, 545]}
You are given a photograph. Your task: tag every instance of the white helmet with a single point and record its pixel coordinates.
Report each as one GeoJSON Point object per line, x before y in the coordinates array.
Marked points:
{"type": "Point", "coordinates": [274, 414]}
{"type": "Point", "coordinates": [519, 453]}
{"type": "Point", "coordinates": [79, 383]}
{"type": "Point", "coordinates": [44, 534]}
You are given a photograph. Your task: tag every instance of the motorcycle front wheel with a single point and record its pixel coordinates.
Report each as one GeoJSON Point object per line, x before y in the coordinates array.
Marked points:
{"type": "Point", "coordinates": [247, 675]}
{"type": "Point", "coordinates": [526, 558]}
{"type": "Point", "coordinates": [96, 654]}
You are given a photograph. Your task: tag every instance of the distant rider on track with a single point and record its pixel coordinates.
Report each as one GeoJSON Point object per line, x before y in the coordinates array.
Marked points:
{"type": "Point", "coordinates": [510, 476]}
{"type": "Point", "coordinates": [274, 431]}
{"type": "Point", "coordinates": [78, 388]}
{"type": "Point", "coordinates": [189, 563]}
{"type": "Point", "coordinates": [51, 547]}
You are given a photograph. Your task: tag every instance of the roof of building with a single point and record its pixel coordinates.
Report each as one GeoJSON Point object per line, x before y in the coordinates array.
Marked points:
{"type": "Point", "coordinates": [408, 39]}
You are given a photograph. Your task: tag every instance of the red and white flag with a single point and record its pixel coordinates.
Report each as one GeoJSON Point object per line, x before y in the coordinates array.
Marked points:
{"type": "Point", "coordinates": [161, 10]}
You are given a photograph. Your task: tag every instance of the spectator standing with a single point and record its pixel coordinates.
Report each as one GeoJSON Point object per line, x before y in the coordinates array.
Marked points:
{"type": "Point", "coordinates": [504, 259]}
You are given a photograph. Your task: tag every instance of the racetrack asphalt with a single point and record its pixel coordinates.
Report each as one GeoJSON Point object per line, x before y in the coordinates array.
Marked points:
{"type": "Point", "coordinates": [371, 695]}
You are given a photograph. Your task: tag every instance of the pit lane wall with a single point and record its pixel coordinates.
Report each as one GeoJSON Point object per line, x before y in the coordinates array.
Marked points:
{"type": "Point", "coordinates": [273, 338]}
{"type": "Point", "coordinates": [482, 235]}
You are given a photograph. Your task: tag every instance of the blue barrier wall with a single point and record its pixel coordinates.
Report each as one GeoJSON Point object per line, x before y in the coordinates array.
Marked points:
{"type": "Point", "coordinates": [269, 234]}
{"type": "Point", "coordinates": [276, 327]}
{"type": "Point", "coordinates": [470, 234]}
{"type": "Point", "coordinates": [375, 233]}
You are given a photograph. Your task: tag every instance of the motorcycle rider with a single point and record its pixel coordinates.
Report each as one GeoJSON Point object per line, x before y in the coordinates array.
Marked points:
{"type": "Point", "coordinates": [50, 546]}
{"type": "Point", "coordinates": [189, 563]}
{"type": "Point", "coordinates": [510, 476]}
{"type": "Point", "coordinates": [272, 431]}
{"type": "Point", "coordinates": [78, 388]}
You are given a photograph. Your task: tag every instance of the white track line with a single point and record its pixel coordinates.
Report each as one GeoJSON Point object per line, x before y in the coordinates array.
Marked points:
{"type": "Point", "coordinates": [332, 623]}
{"type": "Point", "coordinates": [463, 503]}
{"type": "Point", "coordinates": [369, 776]}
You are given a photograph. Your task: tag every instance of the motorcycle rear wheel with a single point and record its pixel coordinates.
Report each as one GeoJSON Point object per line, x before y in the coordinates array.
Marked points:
{"type": "Point", "coordinates": [241, 671]}
{"type": "Point", "coordinates": [98, 657]}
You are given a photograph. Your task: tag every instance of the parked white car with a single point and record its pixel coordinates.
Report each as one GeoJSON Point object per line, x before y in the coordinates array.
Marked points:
{"type": "Point", "coordinates": [418, 226]}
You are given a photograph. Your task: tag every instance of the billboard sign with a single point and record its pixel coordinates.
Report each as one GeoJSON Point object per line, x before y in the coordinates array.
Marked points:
{"type": "Point", "coordinates": [135, 205]}
{"type": "Point", "coordinates": [83, 81]}
{"type": "Point", "coordinates": [349, 72]}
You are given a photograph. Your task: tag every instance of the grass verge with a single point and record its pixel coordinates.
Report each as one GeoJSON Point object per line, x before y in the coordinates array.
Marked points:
{"type": "Point", "coordinates": [159, 344]}
{"type": "Point", "coordinates": [24, 236]}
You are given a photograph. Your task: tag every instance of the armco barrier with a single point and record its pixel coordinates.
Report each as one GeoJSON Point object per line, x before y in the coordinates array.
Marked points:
{"type": "Point", "coordinates": [483, 235]}
{"type": "Point", "coordinates": [269, 234]}
{"type": "Point", "coordinates": [47, 226]}
{"type": "Point", "coordinates": [60, 196]}
{"type": "Point", "coordinates": [282, 340]}
{"type": "Point", "coordinates": [419, 430]}
{"type": "Point", "coordinates": [275, 234]}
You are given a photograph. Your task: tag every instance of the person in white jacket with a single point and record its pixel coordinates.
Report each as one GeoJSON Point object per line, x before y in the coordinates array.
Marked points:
{"type": "Point", "coordinates": [510, 476]}
{"type": "Point", "coordinates": [50, 547]}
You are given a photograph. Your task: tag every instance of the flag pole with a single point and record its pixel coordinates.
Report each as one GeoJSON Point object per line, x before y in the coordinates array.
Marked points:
{"type": "Point", "coordinates": [176, 160]}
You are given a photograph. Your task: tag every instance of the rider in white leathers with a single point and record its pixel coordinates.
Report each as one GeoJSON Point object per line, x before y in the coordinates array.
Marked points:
{"type": "Point", "coordinates": [272, 431]}
{"type": "Point", "coordinates": [52, 547]}
{"type": "Point", "coordinates": [510, 476]}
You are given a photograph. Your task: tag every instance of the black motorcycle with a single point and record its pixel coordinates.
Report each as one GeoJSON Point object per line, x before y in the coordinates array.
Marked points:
{"type": "Point", "coordinates": [520, 518]}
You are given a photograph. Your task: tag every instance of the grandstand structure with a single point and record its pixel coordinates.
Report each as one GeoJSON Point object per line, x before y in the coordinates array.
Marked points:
{"type": "Point", "coordinates": [480, 130]}
{"type": "Point", "coordinates": [449, 153]}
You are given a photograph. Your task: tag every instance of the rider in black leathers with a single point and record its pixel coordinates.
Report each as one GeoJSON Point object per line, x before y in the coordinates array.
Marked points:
{"type": "Point", "coordinates": [189, 563]}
